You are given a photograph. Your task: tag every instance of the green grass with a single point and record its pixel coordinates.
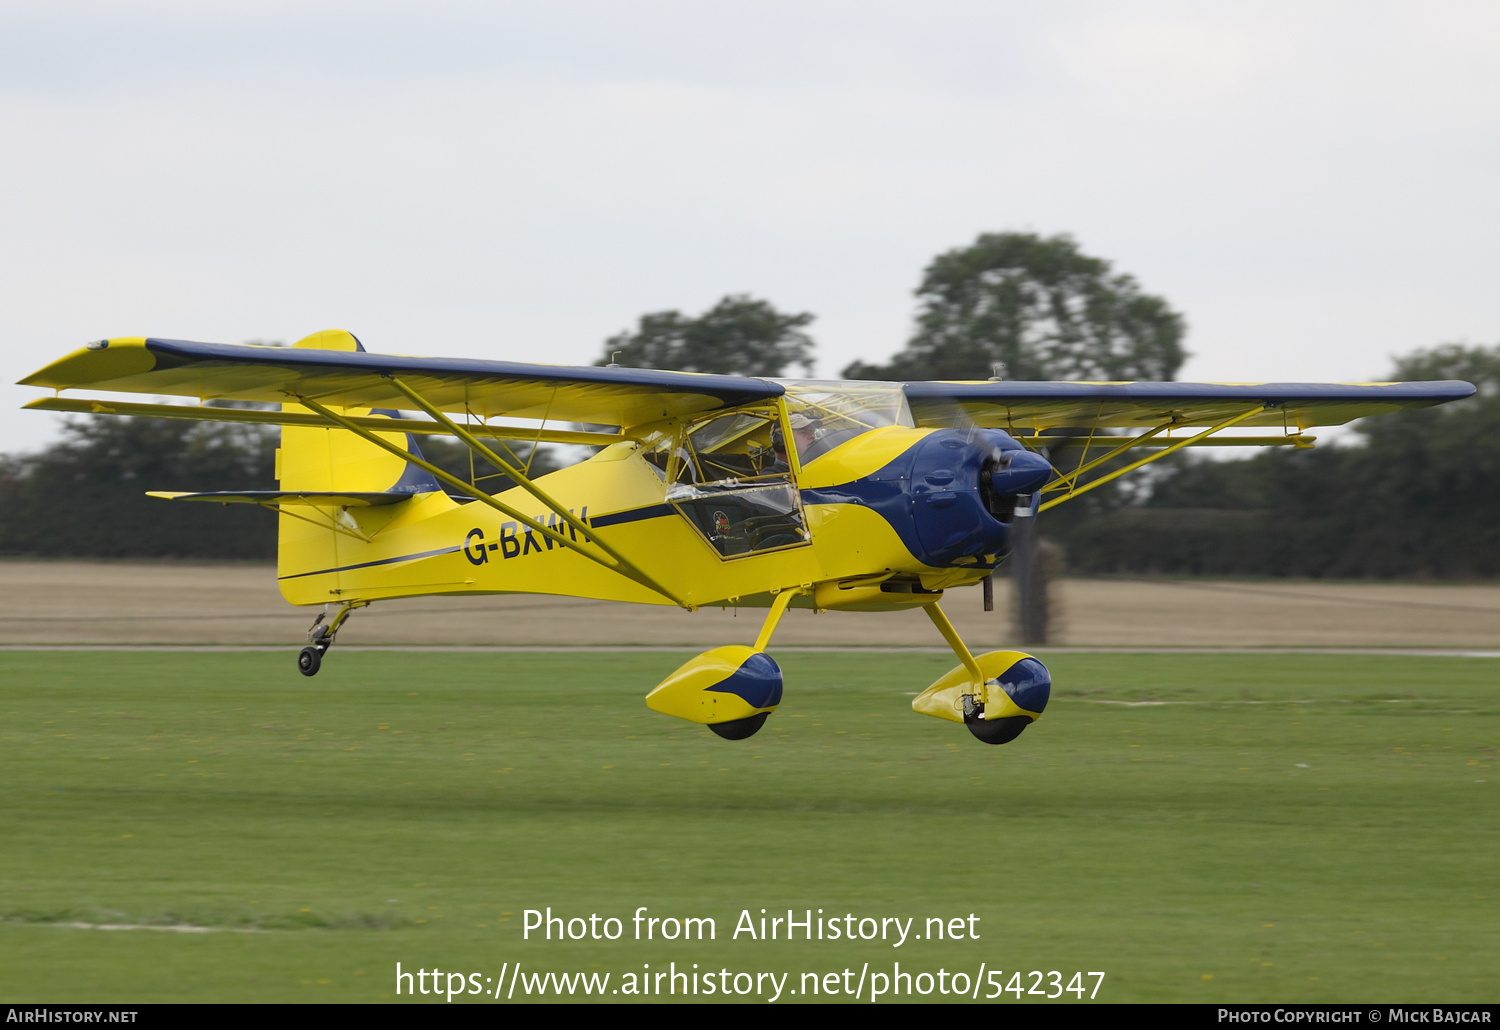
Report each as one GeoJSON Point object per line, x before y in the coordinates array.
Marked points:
{"type": "Point", "coordinates": [1292, 828]}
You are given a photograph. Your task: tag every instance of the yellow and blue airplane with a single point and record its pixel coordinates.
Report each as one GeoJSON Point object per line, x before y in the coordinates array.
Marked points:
{"type": "Point", "coordinates": [703, 490]}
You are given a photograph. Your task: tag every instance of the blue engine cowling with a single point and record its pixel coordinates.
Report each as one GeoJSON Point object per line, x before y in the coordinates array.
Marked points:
{"type": "Point", "coordinates": [963, 489]}
{"type": "Point", "coordinates": [950, 495]}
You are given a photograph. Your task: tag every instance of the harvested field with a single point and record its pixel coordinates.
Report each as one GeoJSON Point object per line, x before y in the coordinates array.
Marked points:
{"type": "Point", "coordinates": [68, 602]}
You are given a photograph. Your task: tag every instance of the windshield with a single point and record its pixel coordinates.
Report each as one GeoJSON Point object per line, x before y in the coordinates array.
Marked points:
{"type": "Point", "coordinates": [840, 410]}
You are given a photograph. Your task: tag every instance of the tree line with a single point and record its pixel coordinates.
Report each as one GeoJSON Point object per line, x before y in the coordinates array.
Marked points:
{"type": "Point", "coordinates": [85, 496]}
{"type": "Point", "coordinates": [1414, 497]}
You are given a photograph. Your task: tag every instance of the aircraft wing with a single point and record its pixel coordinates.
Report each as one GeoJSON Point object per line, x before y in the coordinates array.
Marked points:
{"type": "Point", "coordinates": [1033, 407]}
{"type": "Point", "coordinates": [360, 379]}
{"type": "Point", "coordinates": [304, 498]}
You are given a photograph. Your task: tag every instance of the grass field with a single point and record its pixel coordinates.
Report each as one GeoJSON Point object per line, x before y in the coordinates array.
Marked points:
{"type": "Point", "coordinates": [1280, 828]}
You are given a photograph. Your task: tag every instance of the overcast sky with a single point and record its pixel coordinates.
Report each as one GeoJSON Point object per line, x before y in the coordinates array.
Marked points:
{"type": "Point", "coordinates": [1312, 184]}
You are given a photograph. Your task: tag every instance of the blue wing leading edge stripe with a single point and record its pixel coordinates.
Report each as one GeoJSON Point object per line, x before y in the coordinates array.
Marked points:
{"type": "Point", "coordinates": [728, 389]}
{"type": "Point", "coordinates": [1275, 393]}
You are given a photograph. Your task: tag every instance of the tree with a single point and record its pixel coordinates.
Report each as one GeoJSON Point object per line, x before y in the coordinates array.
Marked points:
{"type": "Point", "coordinates": [737, 336]}
{"type": "Point", "coordinates": [1046, 311]}
{"type": "Point", "coordinates": [85, 496]}
{"type": "Point", "coordinates": [1039, 306]}
{"type": "Point", "coordinates": [1423, 491]}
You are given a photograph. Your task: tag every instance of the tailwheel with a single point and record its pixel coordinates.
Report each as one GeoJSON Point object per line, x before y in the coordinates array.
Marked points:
{"type": "Point", "coordinates": [739, 729]}
{"type": "Point", "coordinates": [309, 661]}
{"type": "Point", "coordinates": [320, 637]}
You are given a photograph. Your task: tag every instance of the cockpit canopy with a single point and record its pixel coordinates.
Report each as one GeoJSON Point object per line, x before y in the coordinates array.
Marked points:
{"type": "Point", "coordinates": [730, 474]}
{"type": "Point", "coordinates": [840, 410]}
{"type": "Point", "coordinates": [746, 444]}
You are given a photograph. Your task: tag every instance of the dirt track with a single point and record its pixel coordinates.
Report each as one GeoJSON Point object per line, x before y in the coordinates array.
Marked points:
{"type": "Point", "coordinates": [68, 602]}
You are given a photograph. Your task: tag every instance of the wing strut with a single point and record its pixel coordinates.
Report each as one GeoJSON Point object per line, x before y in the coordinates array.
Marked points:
{"type": "Point", "coordinates": [517, 474]}
{"type": "Point", "coordinates": [612, 559]}
{"type": "Point", "coordinates": [1068, 481]}
{"type": "Point", "coordinates": [1075, 490]}
{"type": "Point", "coordinates": [84, 406]}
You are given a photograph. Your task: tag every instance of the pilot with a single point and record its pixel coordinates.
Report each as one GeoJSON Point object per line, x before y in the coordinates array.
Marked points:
{"type": "Point", "coordinates": [804, 432]}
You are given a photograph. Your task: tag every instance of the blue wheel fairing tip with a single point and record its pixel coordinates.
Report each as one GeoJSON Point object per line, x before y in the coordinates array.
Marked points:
{"type": "Point", "coordinates": [1028, 683]}
{"type": "Point", "coordinates": [757, 681]}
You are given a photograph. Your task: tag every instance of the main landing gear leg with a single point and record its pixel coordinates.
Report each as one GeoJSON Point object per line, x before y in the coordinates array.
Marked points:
{"type": "Point", "coordinates": [974, 700]}
{"type": "Point", "coordinates": [320, 637]}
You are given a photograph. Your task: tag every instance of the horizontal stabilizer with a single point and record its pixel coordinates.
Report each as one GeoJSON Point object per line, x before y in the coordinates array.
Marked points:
{"type": "Point", "coordinates": [310, 498]}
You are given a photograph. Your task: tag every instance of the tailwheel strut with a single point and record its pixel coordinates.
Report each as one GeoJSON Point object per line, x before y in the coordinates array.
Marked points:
{"type": "Point", "coordinates": [320, 636]}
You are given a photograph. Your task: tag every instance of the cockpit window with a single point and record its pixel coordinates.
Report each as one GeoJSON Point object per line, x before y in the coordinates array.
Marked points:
{"type": "Point", "coordinates": [837, 411]}
{"type": "Point", "coordinates": [726, 478]}
{"type": "Point", "coordinates": [729, 449]}
{"type": "Point", "coordinates": [736, 446]}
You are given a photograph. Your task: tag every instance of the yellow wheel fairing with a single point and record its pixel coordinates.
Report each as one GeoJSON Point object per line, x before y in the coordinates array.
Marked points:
{"type": "Point", "coordinates": [330, 339]}
{"type": "Point", "coordinates": [725, 684]}
{"type": "Point", "coordinates": [944, 698]}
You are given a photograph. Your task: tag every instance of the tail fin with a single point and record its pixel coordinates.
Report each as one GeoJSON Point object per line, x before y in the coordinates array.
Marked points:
{"type": "Point", "coordinates": [334, 460]}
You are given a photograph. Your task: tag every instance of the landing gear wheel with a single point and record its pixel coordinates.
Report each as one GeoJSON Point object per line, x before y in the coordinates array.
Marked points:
{"type": "Point", "coordinates": [309, 661]}
{"type": "Point", "coordinates": [997, 731]}
{"type": "Point", "coordinates": [320, 637]}
{"type": "Point", "coordinates": [739, 729]}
